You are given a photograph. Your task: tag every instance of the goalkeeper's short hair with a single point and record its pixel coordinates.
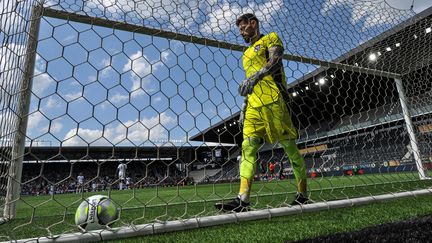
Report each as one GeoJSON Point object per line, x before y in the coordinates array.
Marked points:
{"type": "Point", "coordinates": [246, 17]}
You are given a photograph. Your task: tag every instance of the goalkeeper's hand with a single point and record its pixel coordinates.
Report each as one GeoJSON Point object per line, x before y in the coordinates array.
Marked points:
{"type": "Point", "coordinates": [246, 87]}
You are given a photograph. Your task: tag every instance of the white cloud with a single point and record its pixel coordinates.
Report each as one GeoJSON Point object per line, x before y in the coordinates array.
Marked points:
{"type": "Point", "coordinates": [141, 67]}
{"type": "Point", "coordinates": [56, 126]}
{"type": "Point", "coordinates": [51, 3]}
{"type": "Point", "coordinates": [373, 13]}
{"type": "Point", "coordinates": [116, 98]}
{"type": "Point", "coordinates": [41, 80]}
{"type": "Point", "coordinates": [9, 80]}
{"type": "Point", "coordinates": [72, 96]}
{"type": "Point", "coordinates": [222, 17]}
{"type": "Point", "coordinates": [9, 61]}
{"type": "Point", "coordinates": [139, 64]}
{"type": "Point", "coordinates": [41, 83]}
{"type": "Point", "coordinates": [418, 5]}
{"type": "Point", "coordinates": [34, 121]}
{"type": "Point", "coordinates": [178, 13]}
{"type": "Point", "coordinates": [105, 72]}
{"type": "Point", "coordinates": [400, 4]}
{"type": "Point", "coordinates": [136, 132]}
{"type": "Point", "coordinates": [68, 38]}
{"type": "Point", "coordinates": [52, 103]}
{"type": "Point", "coordinates": [75, 136]}
{"type": "Point", "coordinates": [7, 118]}
{"type": "Point", "coordinates": [12, 19]}
{"type": "Point", "coordinates": [165, 56]}
{"type": "Point", "coordinates": [115, 7]}
{"type": "Point", "coordinates": [157, 99]}
{"type": "Point", "coordinates": [185, 14]}
{"type": "Point", "coordinates": [40, 65]}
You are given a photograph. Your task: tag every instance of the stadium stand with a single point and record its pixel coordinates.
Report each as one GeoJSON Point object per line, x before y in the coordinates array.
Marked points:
{"type": "Point", "coordinates": [39, 177]}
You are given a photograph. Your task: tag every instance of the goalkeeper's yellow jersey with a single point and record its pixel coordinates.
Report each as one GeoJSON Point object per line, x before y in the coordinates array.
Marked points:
{"type": "Point", "coordinates": [254, 58]}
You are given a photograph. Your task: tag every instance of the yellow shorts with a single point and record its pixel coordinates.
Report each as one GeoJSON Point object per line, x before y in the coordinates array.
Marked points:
{"type": "Point", "coordinates": [271, 122]}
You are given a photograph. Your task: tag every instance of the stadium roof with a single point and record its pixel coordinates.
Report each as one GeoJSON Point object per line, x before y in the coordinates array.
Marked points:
{"type": "Point", "coordinates": [395, 50]}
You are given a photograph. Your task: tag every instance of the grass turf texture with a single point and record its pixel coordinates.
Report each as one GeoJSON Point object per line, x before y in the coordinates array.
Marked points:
{"type": "Point", "coordinates": [41, 215]}
{"type": "Point", "coordinates": [302, 226]}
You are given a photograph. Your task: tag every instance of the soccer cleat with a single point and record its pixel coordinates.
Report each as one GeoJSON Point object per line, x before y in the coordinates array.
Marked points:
{"type": "Point", "coordinates": [235, 205]}
{"type": "Point", "coordinates": [300, 200]}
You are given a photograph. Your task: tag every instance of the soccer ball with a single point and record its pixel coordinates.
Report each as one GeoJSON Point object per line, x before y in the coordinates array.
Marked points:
{"type": "Point", "coordinates": [95, 212]}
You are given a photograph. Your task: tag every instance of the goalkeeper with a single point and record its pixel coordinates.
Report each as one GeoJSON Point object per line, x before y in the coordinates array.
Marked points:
{"type": "Point", "coordinates": [265, 115]}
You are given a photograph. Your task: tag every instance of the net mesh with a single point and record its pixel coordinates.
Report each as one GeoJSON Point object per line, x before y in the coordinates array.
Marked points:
{"type": "Point", "coordinates": [153, 85]}
{"type": "Point", "coordinates": [14, 36]}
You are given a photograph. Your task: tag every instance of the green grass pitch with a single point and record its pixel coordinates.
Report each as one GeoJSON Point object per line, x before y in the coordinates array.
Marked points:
{"type": "Point", "coordinates": [44, 215]}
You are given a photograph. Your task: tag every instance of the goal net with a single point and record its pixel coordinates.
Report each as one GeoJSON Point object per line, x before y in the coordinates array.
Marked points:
{"type": "Point", "coordinates": [87, 86]}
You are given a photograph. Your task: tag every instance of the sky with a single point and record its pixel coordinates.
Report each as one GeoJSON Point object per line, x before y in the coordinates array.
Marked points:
{"type": "Point", "coordinates": [98, 86]}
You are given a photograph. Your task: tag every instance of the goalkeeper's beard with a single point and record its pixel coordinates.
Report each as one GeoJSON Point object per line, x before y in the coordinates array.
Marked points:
{"type": "Point", "coordinates": [247, 39]}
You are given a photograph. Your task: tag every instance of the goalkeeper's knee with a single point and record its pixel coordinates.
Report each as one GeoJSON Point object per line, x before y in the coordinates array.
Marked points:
{"type": "Point", "coordinates": [249, 149]}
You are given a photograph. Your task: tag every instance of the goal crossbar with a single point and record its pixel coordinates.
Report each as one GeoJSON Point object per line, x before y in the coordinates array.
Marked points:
{"type": "Point", "coordinates": [60, 14]}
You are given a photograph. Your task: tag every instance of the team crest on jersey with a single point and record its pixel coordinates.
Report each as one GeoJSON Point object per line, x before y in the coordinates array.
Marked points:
{"type": "Point", "coordinates": [257, 48]}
